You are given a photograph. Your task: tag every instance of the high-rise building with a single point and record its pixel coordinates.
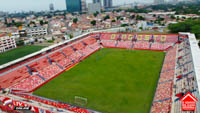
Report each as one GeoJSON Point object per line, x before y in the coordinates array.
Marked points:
{"type": "Point", "coordinates": [107, 3]}
{"type": "Point", "coordinates": [159, 2]}
{"type": "Point", "coordinates": [73, 6]}
{"type": "Point", "coordinates": [51, 7]}
{"type": "Point", "coordinates": [83, 5]}
{"type": "Point", "coordinates": [94, 7]}
{"type": "Point", "coordinates": [175, 1]}
{"type": "Point", "coordinates": [97, 1]}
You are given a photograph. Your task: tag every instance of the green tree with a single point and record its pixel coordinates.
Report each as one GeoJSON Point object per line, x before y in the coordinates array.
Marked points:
{"type": "Point", "coordinates": [139, 17]}
{"type": "Point", "coordinates": [172, 17]}
{"type": "Point", "coordinates": [177, 18]}
{"type": "Point", "coordinates": [18, 24]}
{"type": "Point", "coordinates": [106, 17]}
{"type": "Point", "coordinates": [118, 17]}
{"type": "Point", "coordinates": [41, 22]}
{"type": "Point", "coordinates": [20, 42]}
{"type": "Point", "coordinates": [189, 25]}
{"type": "Point", "coordinates": [124, 25]}
{"type": "Point", "coordinates": [132, 16]}
{"type": "Point", "coordinates": [93, 22]}
{"type": "Point", "coordinates": [46, 22]}
{"type": "Point", "coordinates": [13, 22]}
{"type": "Point", "coordinates": [175, 28]}
{"type": "Point", "coordinates": [96, 14]}
{"type": "Point", "coordinates": [75, 20]}
{"type": "Point", "coordinates": [113, 20]}
{"type": "Point", "coordinates": [32, 22]}
{"type": "Point", "coordinates": [196, 30]}
{"type": "Point", "coordinates": [70, 36]}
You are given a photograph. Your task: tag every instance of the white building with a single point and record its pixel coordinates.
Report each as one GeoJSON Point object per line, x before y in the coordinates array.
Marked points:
{"type": "Point", "coordinates": [162, 13]}
{"type": "Point", "coordinates": [37, 31]}
{"type": "Point", "coordinates": [7, 43]}
{"type": "Point", "coordinates": [142, 25]}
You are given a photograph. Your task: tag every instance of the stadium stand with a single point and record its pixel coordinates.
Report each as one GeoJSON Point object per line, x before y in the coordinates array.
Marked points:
{"type": "Point", "coordinates": [53, 103]}
{"type": "Point", "coordinates": [60, 59]}
{"type": "Point", "coordinates": [125, 44]}
{"type": "Point", "coordinates": [29, 83]}
{"type": "Point", "coordinates": [138, 41]}
{"type": "Point", "coordinates": [163, 95]}
{"type": "Point", "coordinates": [177, 76]}
{"type": "Point", "coordinates": [184, 80]}
{"type": "Point", "coordinates": [13, 76]}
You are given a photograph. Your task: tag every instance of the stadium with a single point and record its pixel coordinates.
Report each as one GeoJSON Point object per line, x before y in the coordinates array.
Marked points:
{"type": "Point", "coordinates": [105, 72]}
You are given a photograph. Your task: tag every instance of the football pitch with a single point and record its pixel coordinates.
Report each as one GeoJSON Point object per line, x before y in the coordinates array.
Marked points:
{"type": "Point", "coordinates": [18, 53]}
{"type": "Point", "coordinates": [112, 81]}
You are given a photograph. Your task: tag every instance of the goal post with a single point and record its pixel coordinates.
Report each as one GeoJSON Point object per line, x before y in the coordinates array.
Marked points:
{"type": "Point", "coordinates": [81, 101]}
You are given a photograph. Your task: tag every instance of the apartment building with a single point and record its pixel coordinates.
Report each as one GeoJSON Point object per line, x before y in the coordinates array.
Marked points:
{"type": "Point", "coordinates": [7, 42]}
{"type": "Point", "coordinates": [37, 31]}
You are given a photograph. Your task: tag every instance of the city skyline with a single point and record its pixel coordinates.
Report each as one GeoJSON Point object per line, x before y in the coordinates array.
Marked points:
{"type": "Point", "coordinates": [38, 5]}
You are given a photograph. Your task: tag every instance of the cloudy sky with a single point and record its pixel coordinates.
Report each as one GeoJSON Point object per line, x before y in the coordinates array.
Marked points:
{"type": "Point", "coordinates": [38, 5]}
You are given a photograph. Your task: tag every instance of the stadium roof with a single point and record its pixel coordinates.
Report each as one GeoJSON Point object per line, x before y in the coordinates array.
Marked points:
{"type": "Point", "coordinates": [195, 56]}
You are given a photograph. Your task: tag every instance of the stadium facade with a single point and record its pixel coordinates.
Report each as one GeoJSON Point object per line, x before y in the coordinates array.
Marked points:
{"type": "Point", "coordinates": [179, 75]}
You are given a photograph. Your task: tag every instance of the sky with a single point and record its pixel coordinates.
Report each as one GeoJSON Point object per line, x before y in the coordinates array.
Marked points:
{"type": "Point", "coordinates": [39, 5]}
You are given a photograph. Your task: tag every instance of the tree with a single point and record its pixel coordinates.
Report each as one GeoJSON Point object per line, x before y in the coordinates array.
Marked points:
{"type": "Point", "coordinates": [118, 17]}
{"type": "Point", "coordinates": [196, 30]}
{"type": "Point", "coordinates": [132, 16]}
{"type": "Point", "coordinates": [70, 36]}
{"type": "Point", "coordinates": [32, 22]}
{"type": "Point", "coordinates": [75, 20]}
{"type": "Point", "coordinates": [113, 20]}
{"type": "Point", "coordinates": [199, 44]}
{"type": "Point", "coordinates": [20, 43]}
{"type": "Point", "coordinates": [18, 24]}
{"type": "Point", "coordinates": [49, 16]}
{"type": "Point", "coordinates": [175, 28]}
{"type": "Point", "coordinates": [41, 22]}
{"type": "Point", "coordinates": [172, 17]}
{"type": "Point", "coordinates": [46, 22]}
{"type": "Point", "coordinates": [139, 17]}
{"type": "Point", "coordinates": [13, 22]}
{"type": "Point", "coordinates": [106, 17]}
{"type": "Point", "coordinates": [177, 18]}
{"type": "Point", "coordinates": [124, 25]}
{"type": "Point", "coordinates": [93, 22]}
{"type": "Point", "coordinates": [189, 25]}
{"type": "Point", "coordinates": [95, 14]}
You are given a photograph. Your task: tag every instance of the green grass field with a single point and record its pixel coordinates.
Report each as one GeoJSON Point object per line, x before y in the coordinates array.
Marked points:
{"type": "Point", "coordinates": [113, 81]}
{"type": "Point", "coordinates": [18, 53]}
